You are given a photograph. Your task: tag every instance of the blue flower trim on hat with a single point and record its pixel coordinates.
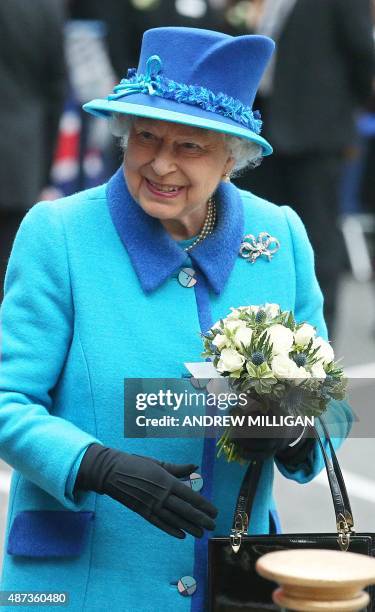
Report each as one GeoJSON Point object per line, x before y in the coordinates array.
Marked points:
{"type": "Point", "coordinates": [154, 84]}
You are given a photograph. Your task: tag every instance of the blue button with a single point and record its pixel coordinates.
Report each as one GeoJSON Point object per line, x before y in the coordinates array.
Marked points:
{"type": "Point", "coordinates": [187, 585]}
{"type": "Point", "coordinates": [187, 277]}
{"type": "Point", "coordinates": [195, 481]}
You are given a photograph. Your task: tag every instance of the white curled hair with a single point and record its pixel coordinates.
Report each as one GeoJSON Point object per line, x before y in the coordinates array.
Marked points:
{"type": "Point", "coordinates": [247, 154]}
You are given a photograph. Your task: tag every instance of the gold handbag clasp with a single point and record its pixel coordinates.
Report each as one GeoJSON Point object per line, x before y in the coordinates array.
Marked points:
{"type": "Point", "coordinates": [241, 522]}
{"type": "Point", "coordinates": [344, 527]}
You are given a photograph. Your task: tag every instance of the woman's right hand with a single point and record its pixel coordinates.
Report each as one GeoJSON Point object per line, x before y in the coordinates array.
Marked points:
{"type": "Point", "coordinates": [149, 487]}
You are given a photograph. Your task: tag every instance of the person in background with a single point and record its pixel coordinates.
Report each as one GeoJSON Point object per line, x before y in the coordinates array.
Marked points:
{"type": "Point", "coordinates": [322, 72]}
{"type": "Point", "coordinates": [32, 87]}
{"type": "Point", "coordinates": [127, 20]}
{"type": "Point", "coordinates": [241, 17]}
{"type": "Point", "coordinates": [367, 186]}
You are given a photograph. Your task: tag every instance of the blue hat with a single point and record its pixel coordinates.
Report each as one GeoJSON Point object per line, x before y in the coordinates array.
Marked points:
{"type": "Point", "coordinates": [195, 77]}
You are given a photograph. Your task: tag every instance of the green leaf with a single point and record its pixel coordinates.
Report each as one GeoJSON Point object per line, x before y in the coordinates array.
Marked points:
{"type": "Point", "coordinates": [235, 374]}
{"type": "Point", "coordinates": [251, 369]}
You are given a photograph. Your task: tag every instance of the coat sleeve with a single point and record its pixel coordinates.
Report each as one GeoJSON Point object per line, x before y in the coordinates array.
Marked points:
{"type": "Point", "coordinates": [309, 307]}
{"type": "Point", "coordinates": [36, 331]}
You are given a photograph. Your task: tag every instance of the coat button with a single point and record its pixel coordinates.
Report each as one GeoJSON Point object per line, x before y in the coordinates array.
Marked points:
{"type": "Point", "coordinates": [195, 481]}
{"type": "Point", "coordinates": [187, 586]}
{"type": "Point", "coordinates": [187, 277]}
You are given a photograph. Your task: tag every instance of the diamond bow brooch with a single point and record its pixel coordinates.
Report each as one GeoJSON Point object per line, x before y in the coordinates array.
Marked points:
{"type": "Point", "coordinates": [252, 248]}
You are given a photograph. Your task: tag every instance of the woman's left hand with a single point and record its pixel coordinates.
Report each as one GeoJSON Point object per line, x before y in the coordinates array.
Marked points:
{"type": "Point", "coordinates": [265, 440]}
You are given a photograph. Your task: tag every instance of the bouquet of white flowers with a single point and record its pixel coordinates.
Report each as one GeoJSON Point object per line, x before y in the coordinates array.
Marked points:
{"type": "Point", "coordinates": [275, 361]}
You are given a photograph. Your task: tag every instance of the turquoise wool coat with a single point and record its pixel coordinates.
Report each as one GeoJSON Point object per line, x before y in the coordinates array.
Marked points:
{"type": "Point", "coordinates": [93, 297]}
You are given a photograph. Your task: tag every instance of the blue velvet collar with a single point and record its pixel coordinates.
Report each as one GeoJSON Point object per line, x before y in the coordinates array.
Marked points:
{"type": "Point", "coordinates": [155, 255]}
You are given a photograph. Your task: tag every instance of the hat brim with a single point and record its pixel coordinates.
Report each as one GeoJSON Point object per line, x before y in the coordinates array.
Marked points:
{"type": "Point", "coordinates": [154, 107]}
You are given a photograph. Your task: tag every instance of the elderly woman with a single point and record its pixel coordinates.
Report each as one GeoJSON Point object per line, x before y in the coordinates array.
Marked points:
{"type": "Point", "coordinates": [115, 283]}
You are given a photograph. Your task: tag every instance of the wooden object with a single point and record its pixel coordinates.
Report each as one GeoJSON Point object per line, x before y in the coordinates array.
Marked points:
{"type": "Point", "coordinates": [318, 580]}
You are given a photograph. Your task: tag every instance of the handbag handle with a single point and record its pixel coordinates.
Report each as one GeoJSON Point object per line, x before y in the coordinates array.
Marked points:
{"type": "Point", "coordinates": [340, 498]}
{"type": "Point", "coordinates": [335, 470]}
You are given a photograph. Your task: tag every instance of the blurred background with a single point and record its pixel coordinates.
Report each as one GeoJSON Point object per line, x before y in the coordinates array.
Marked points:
{"type": "Point", "coordinates": [317, 101]}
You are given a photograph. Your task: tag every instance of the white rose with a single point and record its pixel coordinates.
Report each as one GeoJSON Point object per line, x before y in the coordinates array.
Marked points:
{"type": "Point", "coordinates": [243, 336]}
{"type": "Point", "coordinates": [230, 361]}
{"type": "Point", "coordinates": [236, 312]}
{"type": "Point", "coordinates": [317, 370]}
{"type": "Point", "coordinates": [283, 367]}
{"type": "Point", "coordinates": [325, 352]}
{"type": "Point", "coordinates": [281, 338]}
{"type": "Point", "coordinates": [304, 334]}
{"type": "Point", "coordinates": [272, 310]}
{"type": "Point", "coordinates": [234, 324]}
{"type": "Point", "coordinates": [302, 373]}
{"type": "Point", "coordinates": [220, 341]}
{"type": "Point", "coordinates": [233, 315]}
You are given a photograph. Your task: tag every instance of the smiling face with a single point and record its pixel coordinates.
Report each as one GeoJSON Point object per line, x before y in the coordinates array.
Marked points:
{"type": "Point", "coordinates": [172, 170]}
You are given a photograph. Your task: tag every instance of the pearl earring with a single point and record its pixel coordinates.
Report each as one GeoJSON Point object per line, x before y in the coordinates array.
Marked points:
{"type": "Point", "coordinates": [226, 177]}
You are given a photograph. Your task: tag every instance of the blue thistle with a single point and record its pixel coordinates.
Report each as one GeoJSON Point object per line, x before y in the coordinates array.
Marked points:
{"type": "Point", "coordinates": [300, 359]}
{"type": "Point", "coordinates": [260, 316]}
{"type": "Point", "coordinates": [257, 358]}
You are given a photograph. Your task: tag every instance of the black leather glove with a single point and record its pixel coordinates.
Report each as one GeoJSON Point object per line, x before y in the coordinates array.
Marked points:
{"type": "Point", "coordinates": [294, 455]}
{"type": "Point", "coordinates": [255, 448]}
{"type": "Point", "coordinates": [149, 487]}
{"type": "Point", "coordinates": [261, 448]}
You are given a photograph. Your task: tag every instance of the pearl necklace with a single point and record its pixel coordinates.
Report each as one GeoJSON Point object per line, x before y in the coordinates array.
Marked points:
{"type": "Point", "coordinates": [208, 226]}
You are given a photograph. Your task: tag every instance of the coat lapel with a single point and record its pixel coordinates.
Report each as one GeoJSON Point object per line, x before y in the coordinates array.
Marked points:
{"type": "Point", "coordinates": [155, 256]}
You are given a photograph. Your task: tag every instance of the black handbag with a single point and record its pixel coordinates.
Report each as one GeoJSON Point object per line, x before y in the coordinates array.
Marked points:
{"type": "Point", "coordinates": [233, 583]}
